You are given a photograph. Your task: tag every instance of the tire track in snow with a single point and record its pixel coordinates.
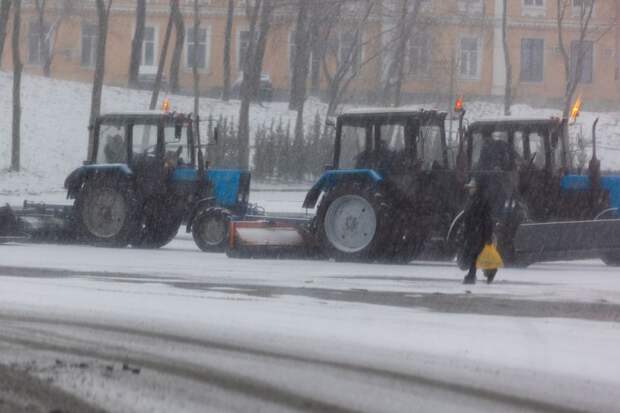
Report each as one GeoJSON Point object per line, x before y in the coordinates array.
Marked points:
{"type": "Point", "coordinates": [248, 386]}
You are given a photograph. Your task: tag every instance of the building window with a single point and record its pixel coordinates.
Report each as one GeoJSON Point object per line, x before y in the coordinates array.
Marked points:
{"type": "Point", "coordinates": [36, 54]}
{"type": "Point", "coordinates": [149, 48]}
{"type": "Point", "coordinates": [88, 47]}
{"type": "Point", "coordinates": [350, 50]}
{"type": "Point", "coordinates": [470, 7]}
{"type": "Point", "coordinates": [420, 52]}
{"type": "Point", "coordinates": [585, 55]}
{"type": "Point", "coordinates": [197, 46]}
{"type": "Point", "coordinates": [469, 62]}
{"type": "Point", "coordinates": [532, 60]}
{"type": "Point", "coordinates": [534, 8]}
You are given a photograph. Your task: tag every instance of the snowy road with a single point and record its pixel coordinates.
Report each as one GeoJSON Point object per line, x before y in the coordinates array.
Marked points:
{"type": "Point", "coordinates": [180, 330]}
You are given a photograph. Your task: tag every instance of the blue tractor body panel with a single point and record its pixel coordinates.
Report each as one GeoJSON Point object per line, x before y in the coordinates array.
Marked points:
{"type": "Point", "coordinates": [225, 183]}
{"type": "Point", "coordinates": [582, 183]}
{"type": "Point", "coordinates": [329, 179]}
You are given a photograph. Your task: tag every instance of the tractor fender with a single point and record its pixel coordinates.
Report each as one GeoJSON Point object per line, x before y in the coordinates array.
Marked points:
{"type": "Point", "coordinates": [76, 179]}
{"type": "Point", "coordinates": [331, 179]}
{"type": "Point", "coordinates": [198, 206]}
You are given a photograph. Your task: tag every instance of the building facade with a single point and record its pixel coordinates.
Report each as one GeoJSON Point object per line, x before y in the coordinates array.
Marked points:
{"type": "Point", "coordinates": [456, 48]}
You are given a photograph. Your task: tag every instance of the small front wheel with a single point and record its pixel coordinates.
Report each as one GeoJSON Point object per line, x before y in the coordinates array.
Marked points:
{"type": "Point", "coordinates": [210, 229]}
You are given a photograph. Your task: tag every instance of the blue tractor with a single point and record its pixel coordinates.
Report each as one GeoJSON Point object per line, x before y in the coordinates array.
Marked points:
{"type": "Point", "coordinates": [391, 189]}
{"type": "Point", "coordinates": [544, 209]}
{"type": "Point", "coordinates": [145, 177]}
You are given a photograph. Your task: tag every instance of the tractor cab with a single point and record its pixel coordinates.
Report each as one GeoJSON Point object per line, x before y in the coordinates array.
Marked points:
{"type": "Point", "coordinates": [518, 156]}
{"type": "Point", "coordinates": [391, 187]}
{"type": "Point", "coordinates": [151, 145]}
{"type": "Point", "coordinates": [142, 179]}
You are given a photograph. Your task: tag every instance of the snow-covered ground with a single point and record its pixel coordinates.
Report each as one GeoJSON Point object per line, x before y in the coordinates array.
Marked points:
{"type": "Point", "coordinates": [55, 118]}
{"type": "Point", "coordinates": [350, 337]}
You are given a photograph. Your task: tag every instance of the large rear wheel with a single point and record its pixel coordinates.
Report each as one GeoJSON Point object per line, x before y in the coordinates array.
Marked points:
{"type": "Point", "coordinates": [353, 223]}
{"type": "Point", "coordinates": [106, 212]}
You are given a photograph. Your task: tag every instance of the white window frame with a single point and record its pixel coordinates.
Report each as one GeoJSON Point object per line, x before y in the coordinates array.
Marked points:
{"type": "Point", "coordinates": [94, 46]}
{"type": "Point", "coordinates": [155, 46]}
{"type": "Point", "coordinates": [238, 47]}
{"type": "Point", "coordinates": [207, 49]}
{"type": "Point", "coordinates": [39, 62]}
{"type": "Point", "coordinates": [478, 75]}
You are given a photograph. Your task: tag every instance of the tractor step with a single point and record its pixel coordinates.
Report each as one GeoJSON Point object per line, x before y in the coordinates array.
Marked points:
{"type": "Point", "coordinates": [569, 240]}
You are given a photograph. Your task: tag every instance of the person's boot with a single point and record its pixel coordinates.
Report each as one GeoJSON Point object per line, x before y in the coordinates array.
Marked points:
{"type": "Point", "coordinates": [469, 279]}
{"type": "Point", "coordinates": [490, 274]}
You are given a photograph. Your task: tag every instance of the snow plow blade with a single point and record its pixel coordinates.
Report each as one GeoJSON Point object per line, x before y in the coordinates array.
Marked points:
{"type": "Point", "coordinates": [572, 240]}
{"type": "Point", "coordinates": [9, 226]}
{"type": "Point", "coordinates": [45, 222]}
{"type": "Point", "coordinates": [269, 238]}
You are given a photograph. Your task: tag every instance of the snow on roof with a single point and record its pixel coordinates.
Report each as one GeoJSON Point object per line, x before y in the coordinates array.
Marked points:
{"type": "Point", "coordinates": [384, 111]}
{"type": "Point", "coordinates": [515, 119]}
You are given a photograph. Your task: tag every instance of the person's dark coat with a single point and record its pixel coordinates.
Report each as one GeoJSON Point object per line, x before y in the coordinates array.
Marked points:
{"type": "Point", "coordinates": [477, 225]}
{"type": "Point", "coordinates": [495, 154]}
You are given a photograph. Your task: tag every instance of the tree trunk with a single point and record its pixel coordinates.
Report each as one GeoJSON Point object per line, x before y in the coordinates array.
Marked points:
{"type": "Point", "coordinates": [136, 45]}
{"type": "Point", "coordinates": [251, 75]}
{"type": "Point", "coordinates": [179, 27]}
{"type": "Point", "coordinates": [227, 47]}
{"type": "Point", "coordinates": [302, 57]}
{"type": "Point", "coordinates": [162, 59]}
{"type": "Point", "coordinates": [5, 10]}
{"type": "Point", "coordinates": [196, 87]}
{"type": "Point", "coordinates": [508, 87]}
{"type": "Point", "coordinates": [17, 79]}
{"type": "Point", "coordinates": [44, 51]}
{"type": "Point", "coordinates": [103, 13]}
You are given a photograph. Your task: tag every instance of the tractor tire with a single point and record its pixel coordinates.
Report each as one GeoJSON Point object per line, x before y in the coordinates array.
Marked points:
{"type": "Point", "coordinates": [353, 223]}
{"type": "Point", "coordinates": [160, 224]}
{"type": "Point", "coordinates": [106, 213]}
{"type": "Point", "coordinates": [210, 229]}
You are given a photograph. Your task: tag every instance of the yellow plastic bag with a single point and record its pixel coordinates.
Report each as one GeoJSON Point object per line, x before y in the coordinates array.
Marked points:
{"type": "Point", "coordinates": [489, 258]}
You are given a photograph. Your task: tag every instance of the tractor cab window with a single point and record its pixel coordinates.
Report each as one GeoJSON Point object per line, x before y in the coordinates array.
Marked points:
{"type": "Point", "coordinates": [537, 150]}
{"type": "Point", "coordinates": [176, 144]}
{"type": "Point", "coordinates": [492, 150]}
{"type": "Point", "coordinates": [430, 148]}
{"type": "Point", "coordinates": [112, 146]}
{"type": "Point", "coordinates": [145, 140]}
{"type": "Point", "coordinates": [352, 145]}
{"type": "Point", "coordinates": [393, 137]}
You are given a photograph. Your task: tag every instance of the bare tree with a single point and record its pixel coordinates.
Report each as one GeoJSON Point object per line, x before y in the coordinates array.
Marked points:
{"type": "Point", "coordinates": [573, 62]}
{"type": "Point", "coordinates": [103, 14]}
{"type": "Point", "coordinates": [301, 56]}
{"type": "Point", "coordinates": [347, 57]}
{"type": "Point", "coordinates": [252, 69]}
{"type": "Point", "coordinates": [17, 79]}
{"type": "Point", "coordinates": [47, 33]}
{"type": "Point", "coordinates": [162, 57]}
{"type": "Point", "coordinates": [230, 13]}
{"type": "Point", "coordinates": [137, 42]}
{"type": "Point", "coordinates": [508, 63]}
{"type": "Point", "coordinates": [405, 29]}
{"type": "Point", "coordinates": [196, 81]}
{"type": "Point", "coordinates": [5, 10]}
{"type": "Point", "coordinates": [179, 28]}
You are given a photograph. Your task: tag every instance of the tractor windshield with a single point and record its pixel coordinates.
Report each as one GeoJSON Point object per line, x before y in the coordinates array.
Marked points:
{"type": "Point", "coordinates": [112, 146]}
{"type": "Point", "coordinates": [371, 146]}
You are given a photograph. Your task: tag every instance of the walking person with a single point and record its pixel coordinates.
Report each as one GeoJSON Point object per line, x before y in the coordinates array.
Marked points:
{"type": "Point", "coordinates": [477, 228]}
